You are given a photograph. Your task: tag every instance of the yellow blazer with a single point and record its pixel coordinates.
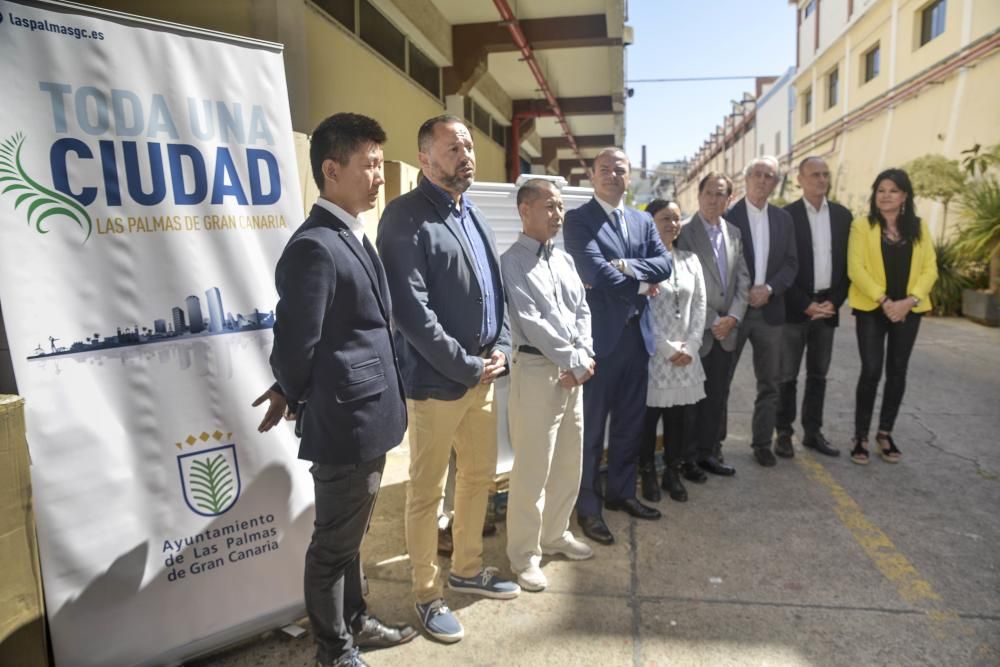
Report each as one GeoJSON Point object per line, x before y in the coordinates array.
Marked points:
{"type": "Point", "coordinates": [867, 271]}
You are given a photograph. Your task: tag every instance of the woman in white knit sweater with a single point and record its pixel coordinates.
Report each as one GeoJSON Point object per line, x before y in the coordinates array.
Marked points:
{"type": "Point", "coordinates": [676, 378]}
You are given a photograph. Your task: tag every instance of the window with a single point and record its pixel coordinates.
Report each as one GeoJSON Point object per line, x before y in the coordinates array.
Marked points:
{"type": "Point", "coordinates": [761, 151]}
{"type": "Point", "coordinates": [424, 71]}
{"type": "Point", "coordinates": [807, 106]}
{"type": "Point", "coordinates": [871, 63]}
{"type": "Point", "coordinates": [499, 133]}
{"type": "Point", "coordinates": [384, 37]}
{"type": "Point", "coordinates": [777, 144]}
{"type": "Point", "coordinates": [341, 10]}
{"type": "Point", "coordinates": [832, 86]}
{"type": "Point", "coordinates": [481, 119]}
{"type": "Point", "coordinates": [809, 8]}
{"type": "Point", "coordinates": [932, 20]}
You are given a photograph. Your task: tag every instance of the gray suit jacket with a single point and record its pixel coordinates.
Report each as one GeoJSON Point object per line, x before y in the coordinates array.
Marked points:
{"type": "Point", "coordinates": [718, 301]}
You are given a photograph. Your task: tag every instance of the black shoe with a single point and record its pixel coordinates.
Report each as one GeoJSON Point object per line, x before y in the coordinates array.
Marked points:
{"type": "Point", "coordinates": [820, 444]}
{"type": "Point", "coordinates": [445, 543]}
{"type": "Point", "coordinates": [376, 634]}
{"type": "Point", "coordinates": [716, 467]}
{"type": "Point", "coordinates": [632, 507]}
{"type": "Point", "coordinates": [650, 489]}
{"type": "Point", "coordinates": [783, 446]}
{"type": "Point", "coordinates": [353, 659]}
{"type": "Point", "coordinates": [595, 528]}
{"type": "Point", "coordinates": [693, 473]}
{"type": "Point", "coordinates": [672, 484]}
{"type": "Point", "coordinates": [764, 456]}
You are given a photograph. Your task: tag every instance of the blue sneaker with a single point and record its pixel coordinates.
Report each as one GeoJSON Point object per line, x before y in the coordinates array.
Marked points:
{"type": "Point", "coordinates": [486, 584]}
{"type": "Point", "coordinates": [439, 622]}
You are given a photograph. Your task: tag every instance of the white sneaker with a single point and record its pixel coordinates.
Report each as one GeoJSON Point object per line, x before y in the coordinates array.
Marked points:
{"type": "Point", "coordinates": [532, 579]}
{"type": "Point", "coordinates": [570, 547]}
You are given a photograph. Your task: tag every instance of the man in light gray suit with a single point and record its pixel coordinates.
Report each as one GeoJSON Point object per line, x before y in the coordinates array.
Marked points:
{"type": "Point", "coordinates": [727, 284]}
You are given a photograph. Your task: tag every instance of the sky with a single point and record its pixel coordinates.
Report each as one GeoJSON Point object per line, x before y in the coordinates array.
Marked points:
{"type": "Point", "coordinates": [697, 38]}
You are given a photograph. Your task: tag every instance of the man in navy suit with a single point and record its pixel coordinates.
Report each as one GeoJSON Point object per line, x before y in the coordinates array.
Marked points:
{"type": "Point", "coordinates": [334, 362]}
{"type": "Point", "coordinates": [769, 249]}
{"type": "Point", "coordinates": [453, 338]}
{"type": "Point", "coordinates": [811, 305]}
{"type": "Point", "coordinates": [621, 259]}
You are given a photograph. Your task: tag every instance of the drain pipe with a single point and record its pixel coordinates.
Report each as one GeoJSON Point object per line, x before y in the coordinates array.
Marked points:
{"type": "Point", "coordinates": [528, 56]}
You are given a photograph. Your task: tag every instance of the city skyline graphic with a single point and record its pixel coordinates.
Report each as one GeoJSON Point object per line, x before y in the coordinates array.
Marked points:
{"type": "Point", "coordinates": [184, 322]}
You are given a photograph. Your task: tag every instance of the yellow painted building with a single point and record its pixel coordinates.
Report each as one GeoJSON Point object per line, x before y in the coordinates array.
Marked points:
{"type": "Point", "coordinates": [881, 82]}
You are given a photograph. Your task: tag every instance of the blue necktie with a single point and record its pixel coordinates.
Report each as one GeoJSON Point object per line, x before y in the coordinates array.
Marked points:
{"type": "Point", "coordinates": [620, 228]}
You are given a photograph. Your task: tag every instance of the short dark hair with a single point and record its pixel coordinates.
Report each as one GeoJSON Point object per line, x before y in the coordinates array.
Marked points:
{"type": "Point", "coordinates": [714, 176]}
{"type": "Point", "coordinates": [908, 223]}
{"type": "Point", "coordinates": [658, 205]}
{"type": "Point", "coordinates": [338, 138]}
{"type": "Point", "coordinates": [532, 189]}
{"type": "Point", "coordinates": [426, 132]}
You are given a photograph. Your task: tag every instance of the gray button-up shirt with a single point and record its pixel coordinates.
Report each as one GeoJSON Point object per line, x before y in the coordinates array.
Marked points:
{"type": "Point", "coordinates": [547, 304]}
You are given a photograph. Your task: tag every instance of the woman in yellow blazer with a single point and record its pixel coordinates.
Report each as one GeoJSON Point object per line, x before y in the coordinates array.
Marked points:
{"type": "Point", "coordinates": [892, 267]}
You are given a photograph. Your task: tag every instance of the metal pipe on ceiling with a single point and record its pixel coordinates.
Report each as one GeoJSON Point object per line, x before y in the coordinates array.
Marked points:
{"type": "Point", "coordinates": [528, 55]}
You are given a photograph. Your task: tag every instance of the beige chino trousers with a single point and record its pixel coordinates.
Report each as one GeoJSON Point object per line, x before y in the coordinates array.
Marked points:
{"type": "Point", "coordinates": [469, 425]}
{"type": "Point", "coordinates": [546, 434]}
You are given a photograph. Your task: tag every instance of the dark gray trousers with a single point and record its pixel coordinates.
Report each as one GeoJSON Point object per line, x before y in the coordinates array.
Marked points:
{"type": "Point", "coordinates": [767, 341]}
{"type": "Point", "coordinates": [814, 338]}
{"type": "Point", "coordinates": [334, 581]}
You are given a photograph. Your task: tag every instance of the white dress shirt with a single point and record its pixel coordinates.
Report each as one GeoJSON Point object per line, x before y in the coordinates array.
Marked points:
{"type": "Point", "coordinates": [353, 223]}
{"type": "Point", "coordinates": [819, 225]}
{"type": "Point", "coordinates": [760, 233]}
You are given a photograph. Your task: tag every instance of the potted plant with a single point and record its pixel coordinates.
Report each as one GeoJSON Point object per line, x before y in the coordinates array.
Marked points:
{"type": "Point", "coordinates": [979, 237]}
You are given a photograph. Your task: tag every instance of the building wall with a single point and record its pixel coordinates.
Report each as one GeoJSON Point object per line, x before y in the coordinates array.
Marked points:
{"type": "Point", "coordinates": [955, 113]}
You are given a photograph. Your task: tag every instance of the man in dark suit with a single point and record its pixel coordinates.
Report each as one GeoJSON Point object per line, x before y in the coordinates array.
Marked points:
{"type": "Point", "coordinates": [334, 362]}
{"type": "Point", "coordinates": [621, 259]}
{"type": "Point", "coordinates": [769, 249]}
{"type": "Point", "coordinates": [718, 247]}
{"type": "Point", "coordinates": [453, 340]}
{"type": "Point", "coordinates": [811, 305]}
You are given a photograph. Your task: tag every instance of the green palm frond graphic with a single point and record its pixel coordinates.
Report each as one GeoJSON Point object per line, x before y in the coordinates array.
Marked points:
{"type": "Point", "coordinates": [42, 202]}
{"type": "Point", "coordinates": [211, 483]}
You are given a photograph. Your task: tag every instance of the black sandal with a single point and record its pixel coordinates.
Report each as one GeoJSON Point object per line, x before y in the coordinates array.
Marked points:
{"type": "Point", "coordinates": [890, 454]}
{"type": "Point", "coordinates": [859, 454]}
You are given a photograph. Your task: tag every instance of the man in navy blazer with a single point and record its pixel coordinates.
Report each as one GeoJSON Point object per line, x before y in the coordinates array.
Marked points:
{"type": "Point", "coordinates": [334, 360]}
{"type": "Point", "coordinates": [453, 339]}
{"type": "Point", "coordinates": [621, 259]}
{"type": "Point", "coordinates": [811, 304]}
{"type": "Point", "coordinates": [769, 249]}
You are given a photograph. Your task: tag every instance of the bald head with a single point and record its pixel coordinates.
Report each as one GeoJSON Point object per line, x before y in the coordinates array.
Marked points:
{"type": "Point", "coordinates": [814, 179]}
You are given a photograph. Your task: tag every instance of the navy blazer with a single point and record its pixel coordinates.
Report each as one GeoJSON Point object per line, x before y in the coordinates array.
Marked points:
{"type": "Point", "coordinates": [592, 242]}
{"type": "Point", "coordinates": [799, 295]}
{"type": "Point", "coordinates": [782, 258]}
{"type": "Point", "coordinates": [437, 302]}
{"type": "Point", "coordinates": [333, 347]}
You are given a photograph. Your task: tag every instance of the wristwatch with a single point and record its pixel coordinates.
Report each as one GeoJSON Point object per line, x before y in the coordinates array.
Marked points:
{"type": "Point", "coordinates": [618, 264]}
{"type": "Point", "coordinates": [916, 301]}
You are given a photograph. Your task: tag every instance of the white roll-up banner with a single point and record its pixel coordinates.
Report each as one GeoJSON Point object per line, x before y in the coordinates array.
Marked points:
{"type": "Point", "coordinates": [147, 187]}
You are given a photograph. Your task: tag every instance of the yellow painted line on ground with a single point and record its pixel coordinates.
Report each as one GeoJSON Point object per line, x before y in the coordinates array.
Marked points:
{"type": "Point", "coordinates": [893, 565]}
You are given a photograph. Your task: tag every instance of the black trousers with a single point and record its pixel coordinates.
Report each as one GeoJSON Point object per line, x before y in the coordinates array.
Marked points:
{"type": "Point", "coordinates": [711, 410]}
{"type": "Point", "coordinates": [678, 421]}
{"type": "Point", "coordinates": [814, 338]}
{"type": "Point", "coordinates": [880, 340]}
{"type": "Point", "coordinates": [334, 582]}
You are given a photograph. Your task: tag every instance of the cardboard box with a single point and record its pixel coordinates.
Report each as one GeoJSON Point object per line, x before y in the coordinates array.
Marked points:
{"type": "Point", "coordinates": [22, 607]}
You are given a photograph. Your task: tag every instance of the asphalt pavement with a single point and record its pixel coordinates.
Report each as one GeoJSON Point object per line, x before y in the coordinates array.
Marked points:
{"type": "Point", "coordinates": [816, 561]}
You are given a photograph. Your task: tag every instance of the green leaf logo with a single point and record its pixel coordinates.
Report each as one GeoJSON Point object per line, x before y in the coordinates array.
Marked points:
{"type": "Point", "coordinates": [42, 202]}
{"type": "Point", "coordinates": [211, 482]}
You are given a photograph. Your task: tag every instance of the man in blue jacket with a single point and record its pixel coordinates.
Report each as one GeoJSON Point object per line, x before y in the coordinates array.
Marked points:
{"type": "Point", "coordinates": [621, 260]}
{"type": "Point", "coordinates": [453, 340]}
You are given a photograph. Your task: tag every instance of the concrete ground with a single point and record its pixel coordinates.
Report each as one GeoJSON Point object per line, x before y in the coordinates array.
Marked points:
{"type": "Point", "coordinates": [815, 562]}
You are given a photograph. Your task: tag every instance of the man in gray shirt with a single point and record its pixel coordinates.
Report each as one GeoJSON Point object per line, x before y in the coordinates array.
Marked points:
{"type": "Point", "coordinates": [553, 357]}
